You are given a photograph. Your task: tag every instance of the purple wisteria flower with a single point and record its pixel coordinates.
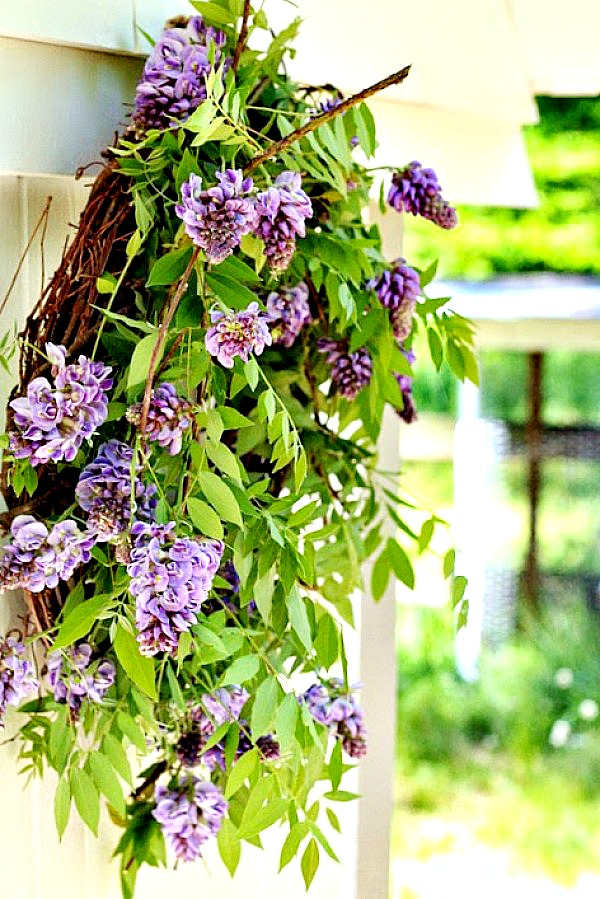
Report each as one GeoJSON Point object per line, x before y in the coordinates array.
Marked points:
{"type": "Point", "coordinates": [396, 286]}
{"type": "Point", "coordinates": [17, 680]}
{"type": "Point", "coordinates": [189, 814]}
{"type": "Point", "coordinates": [221, 707]}
{"type": "Point", "coordinates": [173, 82]}
{"type": "Point", "coordinates": [169, 415]}
{"type": "Point", "coordinates": [237, 334]}
{"type": "Point", "coordinates": [216, 219]}
{"type": "Point", "coordinates": [170, 579]}
{"type": "Point", "coordinates": [281, 211]}
{"type": "Point", "coordinates": [74, 676]}
{"type": "Point", "coordinates": [37, 559]}
{"type": "Point", "coordinates": [350, 372]}
{"type": "Point", "coordinates": [52, 421]}
{"type": "Point", "coordinates": [417, 190]}
{"type": "Point", "coordinates": [104, 492]}
{"type": "Point", "coordinates": [332, 705]}
{"type": "Point", "coordinates": [289, 312]}
{"type": "Point", "coordinates": [408, 412]}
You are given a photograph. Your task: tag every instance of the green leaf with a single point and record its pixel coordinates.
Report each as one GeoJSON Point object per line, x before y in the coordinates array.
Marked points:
{"type": "Point", "coordinates": [310, 862]}
{"type": "Point", "coordinates": [266, 816]}
{"type": "Point", "coordinates": [264, 707]}
{"type": "Point", "coordinates": [140, 361]}
{"type": "Point", "coordinates": [298, 617]}
{"type": "Point", "coordinates": [341, 796]}
{"type": "Point", "coordinates": [426, 534]}
{"type": "Point", "coordinates": [327, 642]}
{"type": "Point", "coordinates": [463, 614]}
{"type": "Point", "coordinates": [333, 819]}
{"type": "Point", "coordinates": [228, 842]}
{"type": "Point", "coordinates": [223, 459]}
{"type": "Point", "coordinates": [62, 806]}
{"type": "Point", "coordinates": [400, 562]}
{"type": "Point", "coordinates": [170, 267]}
{"type": "Point", "coordinates": [232, 419]}
{"type": "Point", "coordinates": [449, 562]}
{"type": "Point", "coordinates": [252, 373]}
{"type": "Point", "coordinates": [235, 295]}
{"type": "Point", "coordinates": [107, 781]}
{"type": "Point", "coordinates": [131, 729]}
{"type": "Point", "coordinates": [80, 621]}
{"type": "Point", "coordinates": [214, 13]}
{"type": "Point", "coordinates": [241, 670]}
{"type": "Point", "coordinates": [219, 495]}
{"type": "Point", "coordinates": [292, 843]}
{"type": "Point", "coordinates": [243, 770]}
{"type": "Point", "coordinates": [380, 574]}
{"type": "Point", "coordinates": [435, 347]}
{"type": "Point", "coordinates": [86, 798]}
{"type": "Point", "coordinates": [204, 518]}
{"type": "Point", "coordinates": [112, 748]}
{"type": "Point", "coordinates": [459, 585]}
{"type": "Point", "coordinates": [336, 765]}
{"type": "Point", "coordinates": [106, 283]}
{"type": "Point", "coordinates": [138, 667]}
{"type": "Point", "coordinates": [285, 721]}
{"type": "Point", "coordinates": [263, 593]}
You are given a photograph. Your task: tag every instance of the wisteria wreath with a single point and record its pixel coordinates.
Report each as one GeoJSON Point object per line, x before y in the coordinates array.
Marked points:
{"type": "Point", "coordinates": [190, 467]}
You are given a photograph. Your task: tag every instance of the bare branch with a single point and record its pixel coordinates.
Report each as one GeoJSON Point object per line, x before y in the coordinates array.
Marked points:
{"type": "Point", "coordinates": [243, 36]}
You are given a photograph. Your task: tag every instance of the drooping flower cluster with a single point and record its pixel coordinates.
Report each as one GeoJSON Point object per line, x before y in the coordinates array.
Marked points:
{"type": "Point", "coordinates": [170, 579]}
{"type": "Point", "coordinates": [417, 190]}
{"type": "Point", "coordinates": [52, 421]}
{"type": "Point", "coordinates": [289, 312]}
{"type": "Point", "coordinates": [104, 492]}
{"type": "Point", "coordinates": [237, 334]}
{"type": "Point", "coordinates": [397, 289]}
{"type": "Point", "coordinates": [37, 558]}
{"type": "Point", "coordinates": [17, 680]}
{"type": "Point", "coordinates": [408, 412]}
{"type": "Point", "coordinates": [169, 416]}
{"type": "Point", "coordinates": [281, 211]}
{"type": "Point", "coordinates": [173, 82]}
{"type": "Point", "coordinates": [222, 706]}
{"type": "Point", "coordinates": [350, 372]}
{"type": "Point", "coordinates": [74, 676]}
{"type": "Point", "coordinates": [216, 219]}
{"type": "Point", "coordinates": [189, 814]}
{"type": "Point", "coordinates": [331, 704]}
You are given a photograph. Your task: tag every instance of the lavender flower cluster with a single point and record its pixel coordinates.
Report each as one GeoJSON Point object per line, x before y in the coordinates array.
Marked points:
{"type": "Point", "coordinates": [397, 289]}
{"type": "Point", "coordinates": [217, 218]}
{"type": "Point", "coordinates": [17, 680]}
{"type": "Point", "coordinates": [37, 558]}
{"type": "Point", "coordinates": [333, 706]}
{"type": "Point", "coordinates": [289, 312]}
{"type": "Point", "coordinates": [52, 421]}
{"type": "Point", "coordinates": [350, 372]}
{"type": "Point", "coordinates": [104, 491]}
{"type": "Point", "coordinates": [237, 334]}
{"type": "Point", "coordinates": [169, 415]}
{"type": "Point", "coordinates": [75, 676]}
{"type": "Point", "coordinates": [189, 814]}
{"type": "Point", "coordinates": [408, 412]}
{"type": "Point", "coordinates": [173, 82]}
{"type": "Point", "coordinates": [170, 578]}
{"type": "Point", "coordinates": [417, 190]}
{"type": "Point", "coordinates": [281, 211]}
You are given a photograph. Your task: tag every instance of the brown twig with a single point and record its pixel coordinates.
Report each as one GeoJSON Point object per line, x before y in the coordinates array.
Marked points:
{"type": "Point", "coordinates": [243, 36]}
{"type": "Point", "coordinates": [324, 117]}
{"type": "Point", "coordinates": [160, 341]}
{"type": "Point", "coordinates": [41, 222]}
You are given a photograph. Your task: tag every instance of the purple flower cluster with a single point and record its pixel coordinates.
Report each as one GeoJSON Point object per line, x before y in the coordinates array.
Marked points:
{"type": "Point", "coordinates": [350, 372]}
{"type": "Point", "coordinates": [237, 334]}
{"type": "Point", "coordinates": [16, 674]}
{"type": "Point", "coordinates": [281, 211]}
{"type": "Point", "coordinates": [221, 707]}
{"type": "Point", "coordinates": [408, 412]}
{"type": "Point", "coordinates": [75, 677]}
{"type": "Point", "coordinates": [104, 492]}
{"type": "Point", "coordinates": [289, 312]}
{"type": "Point", "coordinates": [333, 706]}
{"type": "Point", "coordinates": [170, 578]}
{"type": "Point", "coordinates": [189, 814]}
{"type": "Point", "coordinates": [417, 190]}
{"type": "Point", "coordinates": [53, 421]}
{"type": "Point", "coordinates": [37, 558]}
{"type": "Point", "coordinates": [216, 219]}
{"type": "Point", "coordinates": [173, 82]}
{"type": "Point", "coordinates": [168, 416]}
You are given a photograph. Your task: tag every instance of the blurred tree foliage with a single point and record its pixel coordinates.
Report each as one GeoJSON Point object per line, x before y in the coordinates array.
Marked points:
{"type": "Point", "coordinates": [561, 235]}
